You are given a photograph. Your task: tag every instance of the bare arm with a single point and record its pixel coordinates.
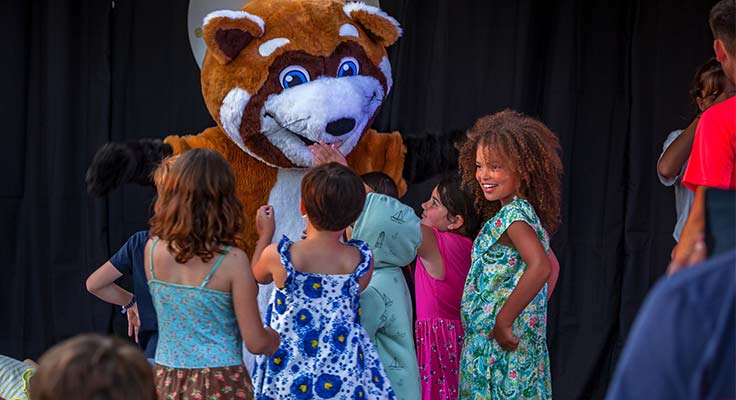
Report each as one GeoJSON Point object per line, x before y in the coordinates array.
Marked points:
{"type": "Point", "coordinates": [430, 254]}
{"type": "Point", "coordinates": [263, 262]}
{"type": "Point", "coordinates": [258, 338]}
{"type": "Point", "coordinates": [554, 273]}
{"type": "Point", "coordinates": [672, 160]}
{"type": "Point", "coordinates": [532, 280]}
{"type": "Point", "coordinates": [102, 284]}
{"type": "Point", "coordinates": [265, 226]}
{"type": "Point", "coordinates": [691, 248]}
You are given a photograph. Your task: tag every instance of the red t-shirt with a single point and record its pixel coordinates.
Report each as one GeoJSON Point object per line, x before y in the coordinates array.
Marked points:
{"type": "Point", "coordinates": [712, 160]}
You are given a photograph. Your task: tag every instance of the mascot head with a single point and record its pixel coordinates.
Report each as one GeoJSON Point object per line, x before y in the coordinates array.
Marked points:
{"type": "Point", "coordinates": [281, 75]}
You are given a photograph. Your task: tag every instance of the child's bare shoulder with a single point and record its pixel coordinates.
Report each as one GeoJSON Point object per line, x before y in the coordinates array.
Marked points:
{"type": "Point", "coordinates": [351, 254]}
{"type": "Point", "coordinates": [234, 259]}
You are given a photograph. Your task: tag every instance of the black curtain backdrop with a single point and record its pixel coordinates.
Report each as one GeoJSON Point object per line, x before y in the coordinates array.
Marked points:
{"type": "Point", "coordinates": [609, 77]}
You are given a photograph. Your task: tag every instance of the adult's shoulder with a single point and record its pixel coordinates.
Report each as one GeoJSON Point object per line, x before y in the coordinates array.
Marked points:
{"type": "Point", "coordinates": [721, 114]}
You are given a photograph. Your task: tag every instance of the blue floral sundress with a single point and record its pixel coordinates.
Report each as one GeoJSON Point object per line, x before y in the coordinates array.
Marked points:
{"type": "Point", "coordinates": [325, 353]}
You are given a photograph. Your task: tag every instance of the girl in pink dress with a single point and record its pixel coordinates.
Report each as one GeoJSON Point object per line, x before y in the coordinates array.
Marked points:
{"type": "Point", "coordinates": [449, 224]}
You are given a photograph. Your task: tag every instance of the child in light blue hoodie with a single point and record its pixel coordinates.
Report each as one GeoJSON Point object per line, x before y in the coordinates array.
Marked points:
{"type": "Point", "coordinates": [392, 231]}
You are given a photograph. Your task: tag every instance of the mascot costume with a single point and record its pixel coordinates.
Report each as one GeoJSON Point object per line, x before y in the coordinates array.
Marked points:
{"type": "Point", "coordinates": [279, 76]}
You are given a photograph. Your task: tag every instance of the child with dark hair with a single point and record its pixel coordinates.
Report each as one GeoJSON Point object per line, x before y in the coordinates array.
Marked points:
{"type": "Point", "coordinates": [201, 282]}
{"type": "Point", "coordinates": [93, 367]}
{"type": "Point", "coordinates": [381, 183]}
{"type": "Point", "coordinates": [392, 231]}
{"type": "Point", "coordinates": [325, 351]}
{"type": "Point", "coordinates": [511, 163]}
{"type": "Point", "coordinates": [449, 223]}
{"type": "Point", "coordinates": [710, 86]}
{"type": "Point", "coordinates": [137, 306]}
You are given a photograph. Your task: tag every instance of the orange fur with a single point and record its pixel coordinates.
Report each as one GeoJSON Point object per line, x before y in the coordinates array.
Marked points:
{"type": "Point", "coordinates": [383, 152]}
{"type": "Point", "coordinates": [311, 26]}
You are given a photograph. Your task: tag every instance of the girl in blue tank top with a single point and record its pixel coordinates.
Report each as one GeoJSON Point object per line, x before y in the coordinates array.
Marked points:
{"type": "Point", "coordinates": [201, 283]}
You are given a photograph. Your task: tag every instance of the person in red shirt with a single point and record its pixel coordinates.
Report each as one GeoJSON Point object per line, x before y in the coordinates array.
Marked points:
{"type": "Point", "coordinates": [713, 157]}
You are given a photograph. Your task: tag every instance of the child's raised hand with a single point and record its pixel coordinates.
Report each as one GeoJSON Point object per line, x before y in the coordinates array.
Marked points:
{"type": "Point", "coordinates": [265, 225]}
{"type": "Point", "coordinates": [323, 153]}
{"type": "Point", "coordinates": [504, 336]}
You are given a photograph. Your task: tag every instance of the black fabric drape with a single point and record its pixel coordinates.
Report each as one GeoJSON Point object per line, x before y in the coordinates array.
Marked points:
{"type": "Point", "coordinates": [610, 78]}
{"type": "Point", "coordinates": [56, 111]}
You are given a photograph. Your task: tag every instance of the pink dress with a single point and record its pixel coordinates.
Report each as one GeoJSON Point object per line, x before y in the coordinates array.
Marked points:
{"type": "Point", "coordinates": [438, 332]}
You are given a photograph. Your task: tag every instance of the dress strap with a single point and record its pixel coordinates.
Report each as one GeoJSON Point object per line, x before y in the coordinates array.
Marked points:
{"type": "Point", "coordinates": [365, 257]}
{"type": "Point", "coordinates": [283, 249]}
{"type": "Point", "coordinates": [214, 267]}
{"type": "Point", "coordinates": [150, 257]}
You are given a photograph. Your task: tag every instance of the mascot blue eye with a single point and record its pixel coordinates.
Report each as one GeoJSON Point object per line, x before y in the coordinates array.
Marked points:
{"type": "Point", "coordinates": [293, 75]}
{"type": "Point", "coordinates": [348, 67]}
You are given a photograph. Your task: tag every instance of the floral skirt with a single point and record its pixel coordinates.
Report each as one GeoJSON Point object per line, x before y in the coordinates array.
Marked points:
{"type": "Point", "coordinates": [220, 383]}
{"type": "Point", "coordinates": [439, 344]}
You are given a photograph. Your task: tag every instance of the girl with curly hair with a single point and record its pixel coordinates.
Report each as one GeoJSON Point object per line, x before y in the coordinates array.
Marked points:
{"type": "Point", "coordinates": [201, 282]}
{"type": "Point", "coordinates": [511, 164]}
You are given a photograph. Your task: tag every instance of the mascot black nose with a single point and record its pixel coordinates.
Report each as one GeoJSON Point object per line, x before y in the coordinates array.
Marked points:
{"type": "Point", "coordinates": [340, 126]}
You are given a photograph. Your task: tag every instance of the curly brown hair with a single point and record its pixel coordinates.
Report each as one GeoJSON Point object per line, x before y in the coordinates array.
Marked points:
{"type": "Point", "coordinates": [530, 149]}
{"type": "Point", "coordinates": [197, 211]}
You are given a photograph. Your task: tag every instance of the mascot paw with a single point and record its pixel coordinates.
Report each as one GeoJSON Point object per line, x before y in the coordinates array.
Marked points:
{"type": "Point", "coordinates": [115, 164]}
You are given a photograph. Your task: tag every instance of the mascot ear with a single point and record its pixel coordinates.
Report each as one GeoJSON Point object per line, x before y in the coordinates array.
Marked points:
{"type": "Point", "coordinates": [380, 26]}
{"type": "Point", "coordinates": [228, 32]}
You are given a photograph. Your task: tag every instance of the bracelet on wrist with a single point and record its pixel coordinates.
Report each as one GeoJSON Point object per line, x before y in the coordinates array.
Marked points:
{"type": "Point", "coordinates": [126, 307]}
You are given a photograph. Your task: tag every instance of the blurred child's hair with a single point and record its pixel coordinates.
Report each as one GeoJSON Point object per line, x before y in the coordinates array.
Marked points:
{"type": "Point", "coordinates": [459, 202]}
{"type": "Point", "coordinates": [93, 367]}
{"type": "Point", "coordinates": [531, 151]}
{"type": "Point", "coordinates": [197, 210]}
{"type": "Point", "coordinates": [381, 183]}
{"type": "Point", "coordinates": [333, 196]}
{"type": "Point", "coordinates": [709, 82]}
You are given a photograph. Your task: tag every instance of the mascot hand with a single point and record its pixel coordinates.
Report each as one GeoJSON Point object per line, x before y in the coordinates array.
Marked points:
{"type": "Point", "coordinates": [115, 164]}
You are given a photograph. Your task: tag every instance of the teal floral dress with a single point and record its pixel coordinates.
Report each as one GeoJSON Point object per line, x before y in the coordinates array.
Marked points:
{"type": "Point", "coordinates": [487, 371]}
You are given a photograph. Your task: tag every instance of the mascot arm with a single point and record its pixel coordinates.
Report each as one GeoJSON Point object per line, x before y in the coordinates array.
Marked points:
{"type": "Point", "coordinates": [383, 152]}
{"type": "Point", "coordinates": [118, 163]}
{"type": "Point", "coordinates": [210, 138]}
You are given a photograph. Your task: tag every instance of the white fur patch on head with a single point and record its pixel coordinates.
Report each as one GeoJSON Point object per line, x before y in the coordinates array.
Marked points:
{"type": "Point", "coordinates": [231, 117]}
{"type": "Point", "coordinates": [267, 48]}
{"type": "Point", "coordinates": [230, 14]}
{"type": "Point", "coordinates": [385, 67]}
{"type": "Point", "coordinates": [356, 6]}
{"type": "Point", "coordinates": [306, 111]}
{"type": "Point", "coordinates": [349, 30]}
{"type": "Point", "coordinates": [231, 113]}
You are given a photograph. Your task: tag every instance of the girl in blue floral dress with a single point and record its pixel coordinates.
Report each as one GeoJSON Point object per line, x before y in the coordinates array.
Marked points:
{"type": "Point", "coordinates": [325, 352]}
{"type": "Point", "coordinates": [511, 163]}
